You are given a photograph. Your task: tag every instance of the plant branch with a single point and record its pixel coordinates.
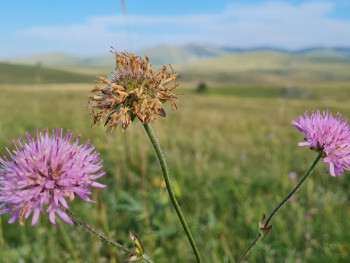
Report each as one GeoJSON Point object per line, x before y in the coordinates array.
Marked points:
{"type": "Point", "coordinates": [99, 234]}
{"type": "Point", "coordinates": [103, 237]}
{"type": "Point", "coordinates": [264, 227]}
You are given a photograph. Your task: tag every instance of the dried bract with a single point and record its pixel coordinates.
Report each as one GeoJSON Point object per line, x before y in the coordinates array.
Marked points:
{"type": "Point", "coordinates": [132, 90]}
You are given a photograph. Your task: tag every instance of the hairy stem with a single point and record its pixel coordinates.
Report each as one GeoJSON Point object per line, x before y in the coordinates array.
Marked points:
{"type": "Point", "coordinates": [266, 224]}
{"type": "Point", "coordinates": [318, 157]}
{"type": "Point", "coordinates": [165, 171]}
{"type": "Point", "coordinates": [143, 196]}
{"type": "Point", "coordinates": [102, 236]}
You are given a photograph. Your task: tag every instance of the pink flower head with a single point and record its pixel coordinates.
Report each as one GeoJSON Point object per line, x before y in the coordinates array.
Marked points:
{"type": "Point", "coordinates": [329, 135]}
{"type": "Point", "coordinates": [292, 175]}
{"type": "Point", "coordinates": [42, 173]}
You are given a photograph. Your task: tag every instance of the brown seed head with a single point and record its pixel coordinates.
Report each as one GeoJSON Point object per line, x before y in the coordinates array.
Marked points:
{"type": "Point", "coordinates": [133, 89]}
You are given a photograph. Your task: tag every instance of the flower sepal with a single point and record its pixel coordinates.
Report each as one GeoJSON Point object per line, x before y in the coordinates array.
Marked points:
{"type": "Point", "coordinates": [138, 247]}
{"type": "Point", "coordinates": [264, 229]}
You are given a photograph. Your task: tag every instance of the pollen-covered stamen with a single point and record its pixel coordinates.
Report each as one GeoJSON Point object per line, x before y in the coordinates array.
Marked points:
{"type": "Point", "coordinates": [23, 213]}
{"type": "Point", "coordinates": [70, 195]}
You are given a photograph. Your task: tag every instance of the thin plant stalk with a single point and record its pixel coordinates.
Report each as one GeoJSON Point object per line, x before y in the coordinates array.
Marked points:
{"type": "Point", "coordinates": [274, 212]}
{"type": "Point", "coordinates": [143, 196]}
{"type": "Point", "coordinates": [1, 235]}
{"type": "Point", "coordinates": [165, 171]}
{"type": "Point", "coordinates": [102, 236]}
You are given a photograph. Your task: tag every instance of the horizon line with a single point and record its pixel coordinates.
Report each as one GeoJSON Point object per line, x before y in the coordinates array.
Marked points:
{"type": "Point", "coordinates": [223, 48]}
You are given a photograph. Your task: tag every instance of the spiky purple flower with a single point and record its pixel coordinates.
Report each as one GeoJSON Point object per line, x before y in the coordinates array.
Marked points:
{"type": "Point", "coordinates": [42, 173]}
{"type": "Point", "coordinates": [327, 134]}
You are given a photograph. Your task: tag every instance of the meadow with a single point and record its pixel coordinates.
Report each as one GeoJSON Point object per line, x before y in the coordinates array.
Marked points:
{"type": "Point", "coordinates": [229, 151]}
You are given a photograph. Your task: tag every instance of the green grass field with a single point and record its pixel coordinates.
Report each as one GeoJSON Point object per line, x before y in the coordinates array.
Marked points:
{"type": "Point", "coordinates": [229, 152]}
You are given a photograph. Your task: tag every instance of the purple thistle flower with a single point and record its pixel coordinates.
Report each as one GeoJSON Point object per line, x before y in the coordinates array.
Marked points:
{"type": "Point", "coordinates": [43, 173]}
{"type": "Point", "coordinates": [327, 134]}
{"type": "Point", "coordinates": [292, 175]}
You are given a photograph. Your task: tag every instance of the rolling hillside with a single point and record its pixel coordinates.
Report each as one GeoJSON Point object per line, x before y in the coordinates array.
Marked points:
{"type": "Point", "coordinates": [194, 63]}
{"type": "Point", "coordinates": [163, 55]}
{"type": "Point", "coordinates": [23, 74]}
{"type": "Point", "coordinates": [175, 55]}
{"type": "Point", "coordinates": [160, 55]}
{"type": "Point", "coordinates": [336, 53]}
{"type": "Point", "coordinates": [63, 59]}
{"type": "Point", "coordinates": [268, 66]}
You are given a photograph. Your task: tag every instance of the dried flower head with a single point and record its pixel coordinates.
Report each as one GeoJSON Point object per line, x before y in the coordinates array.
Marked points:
{"type": "Point", "coordinates": [43, 173]}
{"type": "Point", "coordinates": [134, 89]}
{"type": "Point", "coordinates": [328, 135]}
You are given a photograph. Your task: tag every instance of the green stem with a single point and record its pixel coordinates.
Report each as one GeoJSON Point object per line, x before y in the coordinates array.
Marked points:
{"type": "Point", "coordinates": [165, 171]}
{"type": "Point", "coordinates": [102, 236]}
{"type": "Point", "coordinates": [318, 157]}
{"type": "Point", "coordinates": [266, 224]}
{"type": "Point", "coordinates": [256, 240]}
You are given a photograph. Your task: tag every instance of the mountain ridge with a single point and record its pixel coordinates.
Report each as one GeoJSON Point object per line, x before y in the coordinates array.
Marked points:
{"type": "Point", "coordinates": [178, 55]}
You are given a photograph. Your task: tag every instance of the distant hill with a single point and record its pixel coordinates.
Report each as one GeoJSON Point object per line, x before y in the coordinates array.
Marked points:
{"type": "Point", "coordinates": [178, 55]}
{"type": "Point", "coordinates": [160, 55]}
{"type": "Point", "coordinates": [194, 63]}
{"type": "Point", "coordinates": [267, 66]}
{"type": "Point", "coordinates": [24, 74]}
{"type": "Point", "coordinates": [63, 59]}
{"type": "Point", "coordinates": [322, 52]}
{"type": "Point", "coordinates": [163, 55]}
{"type": "Point", "coordinates": [48, 59]}
{"type": "Point", "coordinates": [338, 53]}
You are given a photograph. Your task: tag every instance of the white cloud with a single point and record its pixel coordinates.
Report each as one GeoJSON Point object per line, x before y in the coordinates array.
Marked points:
{"type": "Point", "coordinates": [277, 24]}
{"type": "Point", "coordinates": [279, 11]}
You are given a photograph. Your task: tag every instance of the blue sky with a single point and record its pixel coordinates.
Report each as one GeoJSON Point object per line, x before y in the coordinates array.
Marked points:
{"type": "Point", "coordinates": [90, 27]}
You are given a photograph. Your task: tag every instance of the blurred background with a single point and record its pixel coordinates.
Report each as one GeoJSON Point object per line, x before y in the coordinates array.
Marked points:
{"type": "Point", "coordinates": [247, 69]}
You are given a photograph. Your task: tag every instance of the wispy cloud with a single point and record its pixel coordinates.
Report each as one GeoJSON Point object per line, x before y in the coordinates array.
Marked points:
{"type": "Point", "coordinates": [277, 24]}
